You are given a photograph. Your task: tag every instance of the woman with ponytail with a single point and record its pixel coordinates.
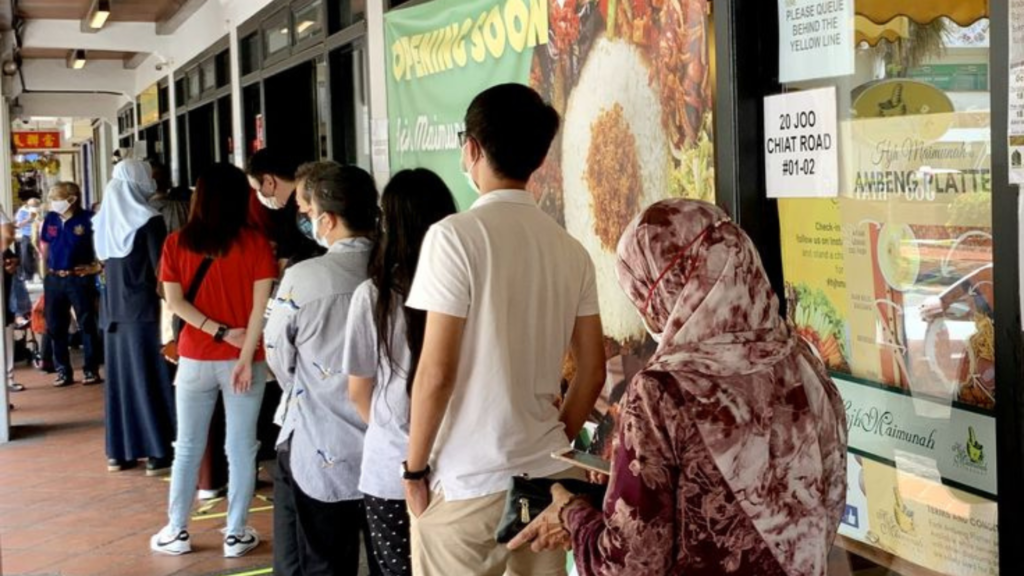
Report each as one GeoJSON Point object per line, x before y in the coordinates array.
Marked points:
{"type": "Point", "coordinates": [382, 347]}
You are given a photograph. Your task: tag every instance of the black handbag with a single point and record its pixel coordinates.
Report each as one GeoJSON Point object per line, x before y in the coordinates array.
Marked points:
{"type": "Point", "coordinates": [528, 497]}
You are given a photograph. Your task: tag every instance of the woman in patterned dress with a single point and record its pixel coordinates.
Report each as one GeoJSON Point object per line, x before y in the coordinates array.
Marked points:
{"type": "Point", "coordinates": [731, 450]}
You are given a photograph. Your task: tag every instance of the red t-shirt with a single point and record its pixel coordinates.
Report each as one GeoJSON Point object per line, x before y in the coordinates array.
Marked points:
{"type": "Point", "coordinates": [226, 293]}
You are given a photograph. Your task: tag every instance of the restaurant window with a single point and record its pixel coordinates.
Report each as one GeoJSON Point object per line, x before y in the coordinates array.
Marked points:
{"type": "Point", "coordinates": [209, 74]}
{"type": "Point", "coordinates": [180, 91]}
{"type": "Point", "coordinates": [250, 50]}
{"type": "Point", "coordinates": [349, 106]}
{"type": "Point", "coordinates": [223, 64]}
{"type": "Point", "coordinates": [163, 100]}
{"type": "Point", "coordinates": [195, 86]}
{"type": "Point", "coordinates": [889, 271]}
{"type": "Point", "coordinates": [343, 13]}
{"type": "Point", "coordinates": [308, 20]}
{"type": "Point", "coordinates": [276, 35]}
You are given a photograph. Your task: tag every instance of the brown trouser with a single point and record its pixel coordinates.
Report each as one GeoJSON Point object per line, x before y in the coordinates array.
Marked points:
{"type": "Point", "coordinates": [458, 538]}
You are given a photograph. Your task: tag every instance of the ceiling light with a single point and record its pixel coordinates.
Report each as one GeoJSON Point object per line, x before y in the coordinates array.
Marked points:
{"type": "Point", "coordinates": [284, 30]}
{"type": "Point", "coordinates": [99, 14]}
{"type": "Point", "coordinates": [304, 25]}
{"type": "Point", "coordinates": [77, 59]}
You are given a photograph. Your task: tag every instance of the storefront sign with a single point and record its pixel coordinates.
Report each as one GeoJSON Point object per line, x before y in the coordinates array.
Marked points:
{"type": "Point", "coordinates": [953, 77]}
{"type": "Point", "coordinates": [910, 515]}
{"type": "Point", "coordinates": [258, 143]}
{"type": "Point", "coordinates": [801, 144]}
{"type": "Point", "coordinates": [379, 153]}
{"type": "Point", "coordinates": [149, 106]}
{"type": "Point", "coordinates": [1016, 96]}
{"type": "Point", "coordinates": [36, 140]}
{"type": "Point", "coordinates": [815, 39]}
{"type": "Point", "coordinates": [948, 441]}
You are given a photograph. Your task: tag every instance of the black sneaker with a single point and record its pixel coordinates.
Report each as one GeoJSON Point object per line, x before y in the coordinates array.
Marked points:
{"type": "Point", "coordinates": [63, 380]}
{"type": "Point", "coordinates": [158, 466]}
{"type": "Point", "coordinates": [91, 378]}
{"type": "Point", "coordinates": [119, 465]}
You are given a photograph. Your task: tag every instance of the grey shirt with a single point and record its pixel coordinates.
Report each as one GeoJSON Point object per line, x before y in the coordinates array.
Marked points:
{"type": "Point", "coordinates": [387, 437]}
{"type": "Point", "coordinates": [305, 337]}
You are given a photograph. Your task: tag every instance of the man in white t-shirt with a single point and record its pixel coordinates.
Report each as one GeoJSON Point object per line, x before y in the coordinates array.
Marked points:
{"type": "Point", "coordinates": [507, 292]}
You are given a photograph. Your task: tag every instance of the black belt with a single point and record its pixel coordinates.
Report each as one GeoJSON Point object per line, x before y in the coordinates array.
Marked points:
{"type": "Point", "coordinates": [70, 273]}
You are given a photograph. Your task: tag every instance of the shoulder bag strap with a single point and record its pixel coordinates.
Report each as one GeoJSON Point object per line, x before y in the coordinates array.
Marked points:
{"type": "Point", "coordinates": [193, 289]}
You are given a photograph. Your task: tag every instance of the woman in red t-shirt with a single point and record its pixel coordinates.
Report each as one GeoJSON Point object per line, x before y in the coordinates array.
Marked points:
{"type": "Point", "coordinates": [217, 274]}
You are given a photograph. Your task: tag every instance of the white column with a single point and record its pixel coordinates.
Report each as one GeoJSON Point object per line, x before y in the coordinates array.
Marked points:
{"type": "Point", "coordinates": [377, 61]}
{"type": "Point", "coordinates": [237, 129]}
{"type": "Point", "coordinates": [104, 155]}
{"type": "Point", "coordinates": [7, 198]}
{"type": "Point", "coordinates": [172, 102]}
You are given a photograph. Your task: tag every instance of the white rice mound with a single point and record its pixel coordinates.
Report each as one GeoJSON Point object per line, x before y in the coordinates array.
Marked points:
{"type": "Point", "coordinates": [614, 73]}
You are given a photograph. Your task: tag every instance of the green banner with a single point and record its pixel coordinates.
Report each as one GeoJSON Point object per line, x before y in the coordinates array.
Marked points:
{"type": "Point", "coordinates": [442, 54]}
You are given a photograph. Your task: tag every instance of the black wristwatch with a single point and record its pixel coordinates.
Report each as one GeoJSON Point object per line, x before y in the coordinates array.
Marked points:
{"type": "Point", "coordinates": [221, 333]}
{"type": "Point", "coordinates": [414, 476]}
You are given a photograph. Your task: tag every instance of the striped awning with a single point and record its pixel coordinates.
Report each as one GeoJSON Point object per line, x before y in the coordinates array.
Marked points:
{"type": "Point", "coordinates": [871, 33]}
{"type": "Point", "coordinates": [963, 12]}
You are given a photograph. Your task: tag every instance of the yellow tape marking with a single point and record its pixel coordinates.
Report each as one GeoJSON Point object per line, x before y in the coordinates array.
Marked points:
{"type": "Point", "coordinates": [225, 514]}
{"type": "Point", "coordinates": [255, 572]}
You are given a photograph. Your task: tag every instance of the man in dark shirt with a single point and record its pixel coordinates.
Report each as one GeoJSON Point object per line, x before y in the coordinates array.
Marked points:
{"type": "Point", "coordinates": [272, 174]}
{"type": "Point", "coordinates": [67, 241]}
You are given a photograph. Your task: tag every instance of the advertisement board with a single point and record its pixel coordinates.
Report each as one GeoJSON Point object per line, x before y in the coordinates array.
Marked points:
{"type": "Point", "coordinates": [891, 283]}
{"type": "Point", "coordinates": [632, 84]}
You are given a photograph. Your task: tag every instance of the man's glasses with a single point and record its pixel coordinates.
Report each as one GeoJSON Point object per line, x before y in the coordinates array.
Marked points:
{"type": "Point", "coordinates": [463, 138]}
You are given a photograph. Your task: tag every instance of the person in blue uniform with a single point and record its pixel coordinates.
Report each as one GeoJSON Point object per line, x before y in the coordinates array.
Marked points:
{"type": "Point", "coordinates": [67, 240]}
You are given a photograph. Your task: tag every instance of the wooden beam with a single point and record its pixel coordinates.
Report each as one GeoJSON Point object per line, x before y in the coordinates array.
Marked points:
{"type": "Point", "coordinates": [170, 24]}
{"type": "Point", "coordinates": [136, 60]}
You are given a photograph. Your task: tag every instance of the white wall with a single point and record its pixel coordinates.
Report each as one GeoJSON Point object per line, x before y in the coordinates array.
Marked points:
{"type": "Point", "coordinates": [100, 106]}
{"type": "Point", "coordinates": [209, 24]}
{"type": "Point", "coordinates": [98, 75]}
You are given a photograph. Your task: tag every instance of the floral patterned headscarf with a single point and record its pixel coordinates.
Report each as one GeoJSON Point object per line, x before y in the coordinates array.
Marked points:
{"type": "Point", "coordinates": [698, 282]}
{"type": "Point", "coordinates": [771, 418]}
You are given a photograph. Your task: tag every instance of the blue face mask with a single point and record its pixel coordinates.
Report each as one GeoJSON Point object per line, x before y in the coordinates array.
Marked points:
{"type": "Point", "coordinates": [305, 226]}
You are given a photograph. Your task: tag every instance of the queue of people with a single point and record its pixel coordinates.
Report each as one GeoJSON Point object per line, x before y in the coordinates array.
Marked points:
{"type": "Point", "coordinates": [415, 354]}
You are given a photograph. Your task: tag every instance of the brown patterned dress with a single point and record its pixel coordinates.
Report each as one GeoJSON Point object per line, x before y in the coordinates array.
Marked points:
{"type": "Point", "coordinates": [731, 452]}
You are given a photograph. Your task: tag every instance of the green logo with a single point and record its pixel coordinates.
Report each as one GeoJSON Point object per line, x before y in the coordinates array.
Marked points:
{"type": "Point", "coordinates": [975, 451]}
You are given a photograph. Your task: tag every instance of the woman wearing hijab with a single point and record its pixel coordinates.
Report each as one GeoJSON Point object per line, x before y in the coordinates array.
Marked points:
{"type": "Point", "coordinates": [140, 402]}
{"type": "Point", "coordinates": [731, 450]}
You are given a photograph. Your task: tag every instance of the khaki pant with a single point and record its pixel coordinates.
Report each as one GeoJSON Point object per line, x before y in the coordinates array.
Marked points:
{"type": "Point", "coordinates": [457, 539]}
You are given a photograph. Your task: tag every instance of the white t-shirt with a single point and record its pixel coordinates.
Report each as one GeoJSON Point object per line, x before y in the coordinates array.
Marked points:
{"type": "Point", "coordinates": [520, 281]}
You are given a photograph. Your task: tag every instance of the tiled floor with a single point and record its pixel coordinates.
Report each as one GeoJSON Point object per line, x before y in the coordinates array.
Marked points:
{"type": "Point", "coordinates": [62, 513]}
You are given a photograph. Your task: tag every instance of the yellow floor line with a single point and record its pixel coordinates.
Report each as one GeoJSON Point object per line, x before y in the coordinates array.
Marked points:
{"type": "Point", "coordinates": [225, 514]}
{"type": "Point", "coordinates": [255, 572]}
{"type": "Point", "coordinates": [210, 505]}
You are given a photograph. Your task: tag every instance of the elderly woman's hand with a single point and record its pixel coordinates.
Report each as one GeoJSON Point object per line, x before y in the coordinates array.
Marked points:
{"type": "Point", "coordinates": [546, 532]}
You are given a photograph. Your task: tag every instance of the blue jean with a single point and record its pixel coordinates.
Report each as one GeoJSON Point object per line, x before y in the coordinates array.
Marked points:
{"type": "Point", "coordinates": [196, 388]}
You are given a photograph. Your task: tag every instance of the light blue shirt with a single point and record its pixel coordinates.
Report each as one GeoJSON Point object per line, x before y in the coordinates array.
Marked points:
{"type": "Point", "coordinates": [305, 338]}
{"type": "Point", "coordinates": [387, 437]}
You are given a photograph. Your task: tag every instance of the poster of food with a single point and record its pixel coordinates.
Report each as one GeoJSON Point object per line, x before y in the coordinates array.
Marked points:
{"type": "Point", "coordinates": [632, 81]}
{"type": "Point", "coordinates": [891, 284]}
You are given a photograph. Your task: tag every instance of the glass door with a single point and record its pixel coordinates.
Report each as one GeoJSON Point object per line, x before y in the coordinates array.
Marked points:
{"type": "Point", "coordinates": [889, 272]}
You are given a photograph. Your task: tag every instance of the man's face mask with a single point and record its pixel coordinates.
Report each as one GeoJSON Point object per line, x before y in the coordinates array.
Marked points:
{"type": "Point", "coordinates": [267, 199]}
{"type": "Point", "coordinates": [305, 225]}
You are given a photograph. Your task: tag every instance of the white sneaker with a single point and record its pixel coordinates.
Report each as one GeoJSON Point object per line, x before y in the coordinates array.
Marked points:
{"type": "Point", "coordinates": [206, 495]}
{"type": "Point", "coordinates": [238, 546]}
{"type": "Point", "coordinates": [171, 541]}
